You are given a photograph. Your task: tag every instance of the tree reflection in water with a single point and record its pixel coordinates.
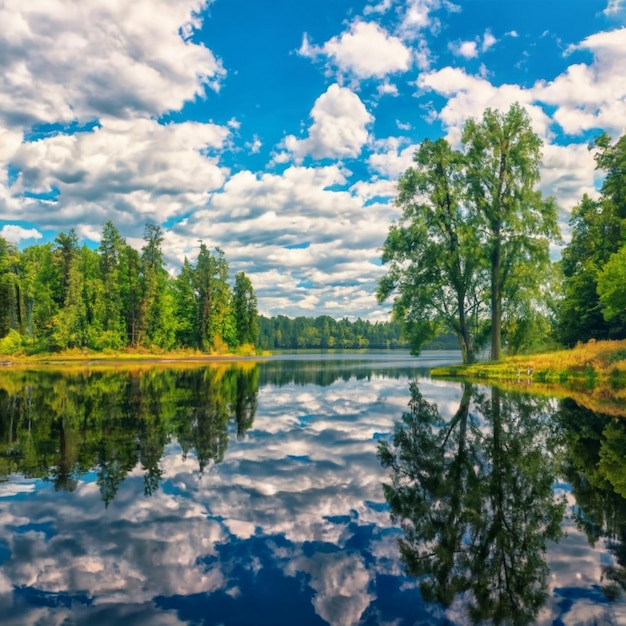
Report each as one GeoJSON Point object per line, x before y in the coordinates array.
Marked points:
{"type": "Point", "coordinates": [595, 466]}
{"type": "Point", "coordinates": [473, 496]}
{"type": "Point", "coordinates": [60, 425]}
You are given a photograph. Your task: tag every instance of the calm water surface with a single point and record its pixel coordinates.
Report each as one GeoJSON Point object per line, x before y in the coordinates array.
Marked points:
{"type": "Point", "coordinates": [318, 489]}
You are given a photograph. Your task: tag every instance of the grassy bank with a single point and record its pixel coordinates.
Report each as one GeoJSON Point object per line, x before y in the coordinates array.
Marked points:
{"type": "Point", "coordinates": [596, 362]}
{"type": "Point", "coordinates": [123, 356]}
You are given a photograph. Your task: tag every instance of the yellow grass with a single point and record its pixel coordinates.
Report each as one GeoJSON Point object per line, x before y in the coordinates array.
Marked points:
{"type": "Point", "coordinates": [593, 374]}
{"type": "Point", "coordinates": [596, 369]}
{"type": "Point", "coordinates": [129, 355]}
{"type": "Point", "coordinates": [594, 361]}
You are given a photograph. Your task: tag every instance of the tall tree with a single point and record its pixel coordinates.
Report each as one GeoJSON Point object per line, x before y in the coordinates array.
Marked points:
{"type": "Point", "coordinates": [65, 253]}
{"type": "Point", "coordinates": [245, 310]}
{"type": "Point", "coordinates": [156, 320]}
{"type": "Point", "coordinates": [435, 267]}
{"type": "Point", "coordinates": [11, 304]}
{"type": "Point", "coordinates": [214, 298]}
{"type": "Point", "coordinates": [186, 307]}
{"type": "Point", "coordinates": [130, 291]}
{"type": "Point", "coordinates": [598, 232]}
{"type": "Point", "coordinates": [40, 283]}
{"type": "Point", "coordinates": [503, 158]}
{"type": "Point", "coordinates": [69, 325]}
{"type": "Point", "coordinates": [474, 229]}
{"type": "Point", "coordinates": [110, 251]}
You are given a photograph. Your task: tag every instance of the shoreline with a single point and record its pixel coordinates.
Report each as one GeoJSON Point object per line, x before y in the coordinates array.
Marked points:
{"type": "Point", "coordinates": [595, 363]}
{"type": "Point", "coordinates": [121, 358]}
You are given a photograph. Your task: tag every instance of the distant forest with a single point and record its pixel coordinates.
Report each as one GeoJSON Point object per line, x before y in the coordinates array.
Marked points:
{"type": "Point", "coordinates": [324, 332]}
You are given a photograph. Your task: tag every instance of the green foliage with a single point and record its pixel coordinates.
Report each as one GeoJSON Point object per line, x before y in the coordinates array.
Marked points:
{"type": "Point", "coordinates": [61, 296]}
{"type": "Point", "coordinates": [281, 332]}
{"type": "Point", "coordinates": [11, 311]}
{"type": "Point", "coordinates": [612, 286]}
{"type": "Point", "coordinates": [471, 248]}
{"type": "Point", "coordinates": [11, 343]}
{"type": "Point", "coordinates": [592, 307]}
{"type": "Point", "coordinates": [435, 270]}
{"type": "Point", "coordinates": [245, 310]}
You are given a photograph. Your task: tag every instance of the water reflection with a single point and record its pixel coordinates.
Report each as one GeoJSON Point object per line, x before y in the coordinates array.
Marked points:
{"type": "Point", "coordinates": [265, 502]}
{"type": "Point", "coordinates": [595, 466]}
{"type": "Point", "coordinates": [474, 497]}
{"type": "Point", "coordinates": [59, 426]}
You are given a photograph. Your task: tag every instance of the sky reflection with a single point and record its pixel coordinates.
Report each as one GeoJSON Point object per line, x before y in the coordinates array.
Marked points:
{"type": "Point", "coordinates": [291, 526]}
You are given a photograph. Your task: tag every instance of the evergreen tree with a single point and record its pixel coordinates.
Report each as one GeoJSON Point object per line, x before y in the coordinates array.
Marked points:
{"type": "Point", "coordinates": [245, 310]}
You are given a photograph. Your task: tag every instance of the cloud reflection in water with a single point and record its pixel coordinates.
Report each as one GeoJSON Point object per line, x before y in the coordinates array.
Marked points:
{"type": "Point", "coordinates": [286, 524]}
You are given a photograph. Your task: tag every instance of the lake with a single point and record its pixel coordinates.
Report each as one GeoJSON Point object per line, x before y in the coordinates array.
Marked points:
{"type": "Point", "coordinates": [305, 489]}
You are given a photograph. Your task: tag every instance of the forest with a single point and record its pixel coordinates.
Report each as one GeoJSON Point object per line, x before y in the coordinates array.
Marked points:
{"type": "Point", "coordinates": [324, 332]}
{"type": "Point", "coordinates": [60, 295]}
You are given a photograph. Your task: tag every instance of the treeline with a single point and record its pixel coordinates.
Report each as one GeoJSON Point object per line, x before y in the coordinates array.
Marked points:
{"type": "Point", "coordinates": [323, 332]}
{"type": "Point", "coordinates": [60, 295]}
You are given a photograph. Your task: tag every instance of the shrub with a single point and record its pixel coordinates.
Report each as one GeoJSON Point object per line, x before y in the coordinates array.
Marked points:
{"type": "Point", "coordinates": [11, 343]}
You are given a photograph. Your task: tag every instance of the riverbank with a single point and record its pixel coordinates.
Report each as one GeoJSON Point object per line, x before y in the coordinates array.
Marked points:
{"type": "Point", "coordinates": [124, 356]}
{"type": "Point", "coordinates": [590, 363]}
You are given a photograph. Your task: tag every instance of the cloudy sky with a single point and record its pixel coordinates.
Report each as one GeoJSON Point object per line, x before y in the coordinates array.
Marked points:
{"type": "Point", "coordinates": [276, 130]}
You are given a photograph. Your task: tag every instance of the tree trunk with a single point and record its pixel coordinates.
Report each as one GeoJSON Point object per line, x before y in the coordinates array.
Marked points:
{"type": "Point", "coordinates": [496, 299]}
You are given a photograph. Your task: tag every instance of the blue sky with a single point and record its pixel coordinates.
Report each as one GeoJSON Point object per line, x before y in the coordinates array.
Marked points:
{"type": "Point", "coordinates": [276, 130]}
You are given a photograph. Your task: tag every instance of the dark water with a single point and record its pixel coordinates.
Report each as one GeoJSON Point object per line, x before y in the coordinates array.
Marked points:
{"type": "Point", "coordinates": [252, 493]}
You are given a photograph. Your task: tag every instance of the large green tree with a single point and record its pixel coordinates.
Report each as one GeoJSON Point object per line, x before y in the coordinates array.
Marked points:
{"type": "Point", "coordinates": [592, 260]}
{"type": "Point", "coordinates": [245, 310]}
{"type": "Point", "coordinates": [215, 324]}
{"type": "Point", "coordinates": [503, 155]}
{"type": "Point", "coordinates": [110, 252]}
{"type": "Point", "coordinates": [157, 327]}
{"type": "Point", "coordinates": [433, 253]}
{"type": "Point", "coordinates": [11, 312]}
{"type": "Point", "coordinates": [472, 245]}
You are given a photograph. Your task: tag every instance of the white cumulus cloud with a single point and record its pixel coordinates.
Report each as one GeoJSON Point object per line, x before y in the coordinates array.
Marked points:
{"type": "Point", "coordinates": [126, 171]}
{"type": "Point", "coordinates": [15, 233]}
{"type": "Point", "coordinates": [591, 95]}
{"type": "Point", "coordinates": [339, 127]}
{"type": "Point", "coordinates": [467, 49]}
{"type": "Point", "coordinates": [65, 60]}
{"type": "Point", "coordinates": [366, 50]}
